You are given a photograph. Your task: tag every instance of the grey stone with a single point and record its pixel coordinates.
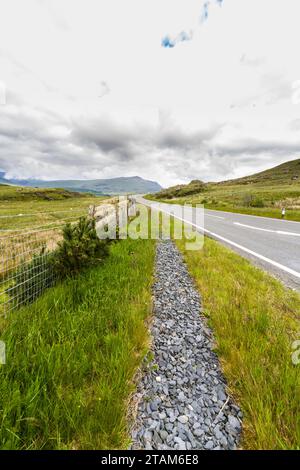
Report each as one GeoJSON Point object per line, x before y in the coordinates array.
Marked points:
{"type": "Point", "coordinates": [209, 445]}
{"type": "Point", "coordinates": [183, 419]}
{"type": "Point", "coordinates": [182, 390]}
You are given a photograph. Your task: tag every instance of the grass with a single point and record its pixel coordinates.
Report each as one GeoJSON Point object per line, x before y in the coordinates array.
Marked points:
{"type": "Point", "coordinates": [40, 207]}
{"type": "Point", "coordinates": [237, 199]}
{"type": "Point", "coordinates": [72, 355]}
{"type": "Point", "coordinates": [275, 213]}
{"type": "Point", "coordinates": [255, 321]}
{"type": "Point", "coordinates": [263, 194]}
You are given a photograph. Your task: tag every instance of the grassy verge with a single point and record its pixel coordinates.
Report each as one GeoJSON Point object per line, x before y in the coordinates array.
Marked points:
{"type": "Point", "coordinates": [71, 356]}
{"type": "Point", "coordinates": [275, 213]}
{"type": "Point", "coordinates": [255, 320]}
{"type": "Point", "coordinates": [293, 215]}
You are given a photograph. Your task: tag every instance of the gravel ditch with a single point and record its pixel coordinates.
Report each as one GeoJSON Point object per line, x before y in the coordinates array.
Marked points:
{"type": "Point", "coordinates": [182, 399]}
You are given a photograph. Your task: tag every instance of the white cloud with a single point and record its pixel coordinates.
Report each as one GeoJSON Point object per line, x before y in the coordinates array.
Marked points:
{"type": "Point", "coordinates": [91, 92]}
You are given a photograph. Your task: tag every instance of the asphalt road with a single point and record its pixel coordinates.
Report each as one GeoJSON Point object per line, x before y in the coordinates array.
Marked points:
{"type": "Point", "coordinates": [272, 244]}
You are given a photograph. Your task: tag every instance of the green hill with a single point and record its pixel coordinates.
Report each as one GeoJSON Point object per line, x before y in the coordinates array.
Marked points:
{"type": "Point", "coordinates": [181, 190]}
{"type": "Point", "coordinates": [18, 193]}
{"type": "Point", "coordinates": [263, 193]}
{"type": "Point", "coordinates": [286, 173]}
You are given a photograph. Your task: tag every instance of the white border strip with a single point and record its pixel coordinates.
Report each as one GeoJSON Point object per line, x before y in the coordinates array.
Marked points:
{"type": "Point", "coordinates": [279, 232]}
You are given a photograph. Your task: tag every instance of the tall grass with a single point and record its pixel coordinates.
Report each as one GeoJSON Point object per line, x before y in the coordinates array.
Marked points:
{"type": "Point", "coordinates": [255, 321]}
{"type": "Point", "coordinates": [72, 354]}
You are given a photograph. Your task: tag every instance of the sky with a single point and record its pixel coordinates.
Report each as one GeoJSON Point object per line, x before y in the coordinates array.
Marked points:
{"type": "Point", "coordinates": [169, 90]}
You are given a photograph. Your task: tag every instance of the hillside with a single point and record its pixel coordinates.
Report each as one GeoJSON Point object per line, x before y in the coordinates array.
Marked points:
{"type": "Point", "coordinates": [181, 190]}
{"type": "Point", "coordinates": [10, 193]}
{"type": "Point", "coordinates": [286, 173]}
{"type": "Point", "coordinates": [122, 185]}
{"type": "Point", "coordinates": [263, 193]}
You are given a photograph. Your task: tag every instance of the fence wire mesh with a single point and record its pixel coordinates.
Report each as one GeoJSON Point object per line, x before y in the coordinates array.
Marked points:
{"type": "Point", "coordinates": [25, 270]}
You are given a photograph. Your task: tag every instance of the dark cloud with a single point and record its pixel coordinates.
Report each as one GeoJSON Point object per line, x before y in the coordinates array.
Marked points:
{"type": "Point", "coordinates": [255, 148]}
{"type": "Point", "coordinates": [128, 142]}
{"type": "Point", "coordinates": [34, 143]}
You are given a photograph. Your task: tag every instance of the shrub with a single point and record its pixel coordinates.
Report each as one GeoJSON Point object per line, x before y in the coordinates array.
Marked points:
{"type": "Point", "coordinates": [257, 202]}
{"type": "Point", "coordinates": [79, 248]}
{"type": "Point", "coordinates": [247, 199]}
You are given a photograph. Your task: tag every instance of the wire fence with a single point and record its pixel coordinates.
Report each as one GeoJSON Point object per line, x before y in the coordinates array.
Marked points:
{"type": "Point", "coordinates": [25, 267]}
{"type": "Point", "coordinates": [25, 270]}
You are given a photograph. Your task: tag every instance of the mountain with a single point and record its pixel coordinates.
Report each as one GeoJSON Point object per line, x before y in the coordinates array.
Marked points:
{"type": "Point", "coordinates": [122, 185]}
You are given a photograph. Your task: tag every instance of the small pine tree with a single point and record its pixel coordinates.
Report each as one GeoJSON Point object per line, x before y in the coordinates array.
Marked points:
{"type": "Point", "coordinates": [79, 248]}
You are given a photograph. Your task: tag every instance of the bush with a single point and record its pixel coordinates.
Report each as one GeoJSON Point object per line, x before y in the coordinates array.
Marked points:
{"type": "Point", "coordinates": [257, 202]}
{"type": "Point", "coordinates": [247, 200]}
{"type": "Point", "coordinates": [79, 249]}
{"type": "Point", "coordinates": [252, 201]}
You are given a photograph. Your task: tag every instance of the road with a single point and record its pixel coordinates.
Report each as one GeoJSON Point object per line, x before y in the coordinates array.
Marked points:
{"type": "Point", "coordinates": [272, 244]}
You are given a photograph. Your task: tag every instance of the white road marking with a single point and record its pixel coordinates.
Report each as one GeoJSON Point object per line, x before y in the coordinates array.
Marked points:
{"type": "Point", "coordinates": [282, 221]}
{"type": "Point", "coordinates": [279, 232]}
{"type": "Point", "coordinates": [236, 245]}
{"type": "Point", "coordinates": [216, 216]}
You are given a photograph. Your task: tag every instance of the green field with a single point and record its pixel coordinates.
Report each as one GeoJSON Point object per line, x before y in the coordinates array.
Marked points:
{"type": "Point", "coordinates": [263, 194]}
{"type": "Point", "coordinates": [31, 207]}
{"type": "Point", "coordinates": [72, 355]}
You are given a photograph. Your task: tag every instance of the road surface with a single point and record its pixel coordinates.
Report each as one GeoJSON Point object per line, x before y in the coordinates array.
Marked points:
{"type": "Point", "coordinates": [272, 244]}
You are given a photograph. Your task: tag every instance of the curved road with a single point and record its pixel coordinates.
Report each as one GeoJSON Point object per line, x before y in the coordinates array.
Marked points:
{"type": "Point", "coordinates": [272, 244]}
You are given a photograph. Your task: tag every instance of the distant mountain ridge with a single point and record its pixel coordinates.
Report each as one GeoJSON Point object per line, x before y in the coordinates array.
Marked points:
{"type": "Point", "coordinates": [110, 186]}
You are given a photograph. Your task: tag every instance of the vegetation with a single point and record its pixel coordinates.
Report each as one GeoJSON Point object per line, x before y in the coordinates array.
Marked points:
{"type": "Point", "coordinates": [20, 193]}
{"type": "Point", "coordinates": [181, 190]}
{"type": "Point", "coordinates": [255, 321]}
{"type": "Point", "coordinates": [72, 354]}
{"type": "Point", "coordinates": [79, 249]}
{"type": "Point", "coordinates": [31, 207]}
{"type": "Point", "coordinates": [262, 194]}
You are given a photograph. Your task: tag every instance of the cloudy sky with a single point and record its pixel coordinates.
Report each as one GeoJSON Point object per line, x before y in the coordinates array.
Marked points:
{"type": "Point", "coordinates": [170, 90]}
